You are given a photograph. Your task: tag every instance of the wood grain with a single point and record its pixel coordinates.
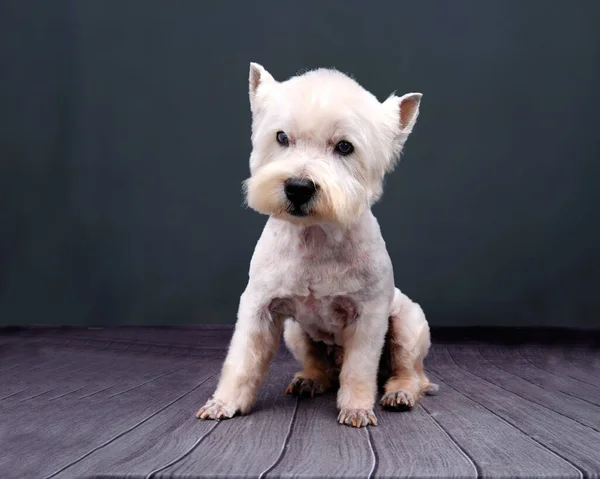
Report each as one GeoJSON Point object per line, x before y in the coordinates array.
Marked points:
{"type": "Point", "coordinates": [165, 436]}
{"type": "Point", "coordinates": [584, 370]}
{"type": "Point", "coordinates": [121, 402]}
{"type": "Point", "coordinates": [40, 437]}
{"type": "Point", "coordinates": [495, 446]}
{"type": "Point", "coordinates": [546, 428]}
{"type": "Point", "coordinates": [542, 375]}
{"type": "Point", "coordinates": [83, 373]}
{"type": "Point", "coordinates": [255, 442]}
{"type": "Point", "coordinates": [320, 447]}
{"type": "Point", "coordinates": [502, 375]}
{"type": "Point", "coordinates": [413, 444]}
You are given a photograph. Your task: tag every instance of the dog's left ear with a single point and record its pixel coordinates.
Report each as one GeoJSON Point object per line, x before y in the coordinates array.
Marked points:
{"type": "Point", "coordinates": [259, 78]}
{"type": "Point", "coordinates": [406, 108]}
{"type": "Point", "coordinates": [409, 111]}
{"type": "Point", "coordinates": [403, 112]}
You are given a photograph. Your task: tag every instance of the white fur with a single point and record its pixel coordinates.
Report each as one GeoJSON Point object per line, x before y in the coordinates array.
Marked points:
{"type": "Point", "coordinates": [335, 257]}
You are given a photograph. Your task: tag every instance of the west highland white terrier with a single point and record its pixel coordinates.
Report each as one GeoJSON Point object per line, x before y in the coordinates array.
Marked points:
{"type": "Point", "coordinates": [321, 146]}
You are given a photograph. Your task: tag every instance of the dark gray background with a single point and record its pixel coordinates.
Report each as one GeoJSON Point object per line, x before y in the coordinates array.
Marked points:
{"type": "Point", "coordinates": [124, 139]}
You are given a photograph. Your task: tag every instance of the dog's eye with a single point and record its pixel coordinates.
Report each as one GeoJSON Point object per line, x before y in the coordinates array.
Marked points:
{"type": "Point", "coordinates": [282, 139]}
{"type": "Point", "coordinates": [344, 148]}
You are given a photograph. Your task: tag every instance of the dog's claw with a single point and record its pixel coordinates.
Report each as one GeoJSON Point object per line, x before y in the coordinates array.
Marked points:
{"type": "Point", "coordinates": [304, 387]}
{"type": "Point", "coordinates": [357, 417]}
{"type": "Point", "coordinates": [398, 400]}
{"type": "Point", "coordinates": [372, 419]}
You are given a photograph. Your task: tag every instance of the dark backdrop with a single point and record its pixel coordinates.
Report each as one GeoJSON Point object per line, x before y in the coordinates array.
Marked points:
{"type": "Point", "coordinates": [124, 139]}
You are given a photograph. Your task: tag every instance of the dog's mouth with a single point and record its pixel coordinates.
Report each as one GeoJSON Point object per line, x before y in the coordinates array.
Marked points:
{"type": "Point", "coordinates": [298, 211]}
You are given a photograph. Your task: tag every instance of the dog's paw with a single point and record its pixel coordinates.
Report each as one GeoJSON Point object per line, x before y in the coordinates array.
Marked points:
{"type": "Point", "coordinates": [305, 387]}
{"type": "Point", "coordinates": [357, 417]}
{"type": "Point", "coordinates": [398, 400]}
{"type": "Point", "coordinates": [215, 409]}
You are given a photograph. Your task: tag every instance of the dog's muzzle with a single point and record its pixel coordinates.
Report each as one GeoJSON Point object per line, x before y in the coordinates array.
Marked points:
{"type": "Point", "coordinates": [299, 193]}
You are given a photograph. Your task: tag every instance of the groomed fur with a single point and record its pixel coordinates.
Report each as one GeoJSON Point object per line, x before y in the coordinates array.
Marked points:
{"type": "Point", "coordinates": [321, 271]}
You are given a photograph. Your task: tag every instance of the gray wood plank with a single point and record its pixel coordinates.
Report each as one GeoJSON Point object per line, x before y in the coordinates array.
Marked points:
{"type": "Point", "coordinates": [147, 347]}
{"type": "Point", "coordinates": [244, 446]}
{"type": "Point", "coordinates": [557, 362]}
{"type": "Point", "coordinates": [55, 374]}
{"type": "Point", "coordinates": [27, 360]}
{"type": "Point", "coordinates": [514, 361]}
{"type": "Point", "coordinates": [574, 443]}
{"type": "Point", "coordinates": [41, 437]}
{"type": "Point", "coordinates": [146, 370]}
{"type": "Point", "coordinates": [84, 373]}
{"type": "Point", "coordinates": [500, 374]}
{"type": "Point", "coordinates": [320, 447]}
{"type": "Point", "coordinates": [413, 444]}
{"type": "Point", "coordinates": [49, 375]}
{"type": "Point", "coordinates": [162, 438]}
{"type": "Point", "coordinates": [120, 403]}
{"type": "Point", "coordinates": [205, 337]}
{"type": "Point", "coordinates": [587, 361]}
{"type": "Point", "coordinates": [125, 372]}
{"type": "Point", "coordinates": [159, 341]}
{"type": "Point", "coordinates": [494, 446]}
{"type": "Point", "coordinates": [582, 356]}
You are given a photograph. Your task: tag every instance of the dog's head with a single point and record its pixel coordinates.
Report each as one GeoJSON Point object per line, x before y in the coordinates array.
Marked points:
{"type": "Point", "coordinates": [321, 145]}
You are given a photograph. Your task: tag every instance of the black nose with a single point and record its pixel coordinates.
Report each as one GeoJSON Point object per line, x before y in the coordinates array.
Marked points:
{"type": "Point", "coordinates": [299, 191]}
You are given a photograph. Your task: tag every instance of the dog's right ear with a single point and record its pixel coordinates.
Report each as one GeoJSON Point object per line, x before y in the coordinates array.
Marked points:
{"type": "Point", "coordinates": [259, 79]}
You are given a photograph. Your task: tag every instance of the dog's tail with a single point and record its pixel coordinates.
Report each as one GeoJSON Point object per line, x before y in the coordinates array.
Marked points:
{"type": "Point", "coordinates": [430, 389]}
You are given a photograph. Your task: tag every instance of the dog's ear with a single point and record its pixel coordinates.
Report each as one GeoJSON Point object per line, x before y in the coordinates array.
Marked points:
{"type": "Point", "coordinates": [406, 109]}
{"type": "Point", "coordinates": [403, 112]}
{"type": "Point", "coordinates": [258, 78]}
{"type": "Point", "coordinates": [409, 111]}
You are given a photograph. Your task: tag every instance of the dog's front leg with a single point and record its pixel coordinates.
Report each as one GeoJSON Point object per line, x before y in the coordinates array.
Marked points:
{"type": "Point", "coordinates": [255, 340]}
{"type": "Point", "coordinates": [363, 344]}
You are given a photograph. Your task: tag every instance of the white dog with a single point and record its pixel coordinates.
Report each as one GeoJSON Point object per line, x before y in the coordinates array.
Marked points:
{"type": "Point", "coordinates": [321, 147]}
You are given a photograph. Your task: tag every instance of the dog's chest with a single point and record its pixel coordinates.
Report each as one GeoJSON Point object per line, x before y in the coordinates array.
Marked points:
{"type": "Point", "coordinates": [324, 319]}
{"type": "Point", "coordinates": [320, 281]}
{"type": "Point", "coordinates": [322, 298]}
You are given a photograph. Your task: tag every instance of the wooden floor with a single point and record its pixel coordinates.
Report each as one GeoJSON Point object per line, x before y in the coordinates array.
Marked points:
{"type": "Point", "coordinates": [121, 403]}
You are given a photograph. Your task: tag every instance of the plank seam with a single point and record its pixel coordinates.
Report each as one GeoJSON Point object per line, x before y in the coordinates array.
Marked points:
{"type": "Point", "coordinates": [373, 453]}
{"type": "Point", "coordinates": [554, 374]}
{"type": "Point", "coordinates": [97, 392]}
{"type": "Point", "coordinates": [526, 399]}
{"type": "Point", "coordinates": [154, 379]}
{"type": "Point", "coordinates": [13, 394]}
{"type": "Point", "coordinates": [478, 472]}
{"type": "Point", "coordinates": [286, 441]}
{"type": "Point", "coordinates": [128, 430]}
{"type": "Point", "coordinates": [185, 454]}
{"type": "Point", "coordinates": [543, 446]}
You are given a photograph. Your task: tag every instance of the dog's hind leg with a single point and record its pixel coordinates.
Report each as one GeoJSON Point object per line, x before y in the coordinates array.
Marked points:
{"type": "Point", "coordinates": [409, 342]}
{"type": "Point", "coordinates": [316, 375]}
